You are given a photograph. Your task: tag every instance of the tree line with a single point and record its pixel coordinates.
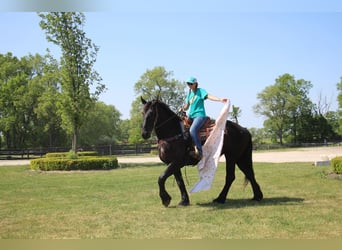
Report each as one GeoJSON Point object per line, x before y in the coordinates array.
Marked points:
{"type": "Point", "coordinates": [32, 107]}
{"type": "Point", "coordinates": [291, 117]}
{"type": "Point", "coordinates": [45, 102]}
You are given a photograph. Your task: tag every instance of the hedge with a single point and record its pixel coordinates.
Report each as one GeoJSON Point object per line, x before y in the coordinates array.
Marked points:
{"type": "Point", "coordinates": [66, 154]}
{"type": "Point", "coordinates": [85, 163]}
{"type": "Point", "coordinates": [336, 164]}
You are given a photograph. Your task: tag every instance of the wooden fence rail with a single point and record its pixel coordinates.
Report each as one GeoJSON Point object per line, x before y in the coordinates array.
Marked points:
{"type": "Point", "coordinates": [122, 149]}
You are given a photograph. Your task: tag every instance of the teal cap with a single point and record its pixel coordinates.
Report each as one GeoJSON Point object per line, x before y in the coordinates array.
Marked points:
{"type": "Point", "coordinates": [192, 80]}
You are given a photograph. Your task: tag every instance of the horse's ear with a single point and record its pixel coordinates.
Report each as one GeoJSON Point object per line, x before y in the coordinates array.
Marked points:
{"type": "Point", "coordinates": [143, 101]}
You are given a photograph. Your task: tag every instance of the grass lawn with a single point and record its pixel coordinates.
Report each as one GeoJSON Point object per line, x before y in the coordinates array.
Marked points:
{"type": "Point", "coordinates": [299, 202]}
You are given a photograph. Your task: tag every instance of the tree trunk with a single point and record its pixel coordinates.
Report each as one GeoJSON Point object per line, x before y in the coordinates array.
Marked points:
{"type": "Point", "coordinates": [74, 141]}
{"type": "Point", "coordinates": [281, 137]}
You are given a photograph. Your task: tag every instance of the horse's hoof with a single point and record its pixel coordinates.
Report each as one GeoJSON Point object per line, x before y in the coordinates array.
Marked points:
{"type": "Point", "coordinates": [219, 201]}
{"type": "Point", "coordinates": [166, 202]}
{"type": "Point", "coordinates": [257, 198]}
{"type": "Point", "coordinates": [184, 203]}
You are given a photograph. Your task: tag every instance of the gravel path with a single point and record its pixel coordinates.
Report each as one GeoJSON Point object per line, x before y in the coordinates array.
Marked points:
{"type": "Point", "coordinates": [298, 155]}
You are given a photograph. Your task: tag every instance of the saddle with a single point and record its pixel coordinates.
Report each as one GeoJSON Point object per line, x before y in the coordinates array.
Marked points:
{"type": "Point", "coordinates": [204, 131]}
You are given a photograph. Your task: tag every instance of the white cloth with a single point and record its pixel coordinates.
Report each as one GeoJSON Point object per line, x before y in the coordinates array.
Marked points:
{"type": "Point", "coordinates": [211, 153]}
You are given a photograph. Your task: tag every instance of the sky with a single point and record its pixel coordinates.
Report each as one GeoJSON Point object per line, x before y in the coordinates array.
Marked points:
{"type": "Point", "coordinates": [234, 48]}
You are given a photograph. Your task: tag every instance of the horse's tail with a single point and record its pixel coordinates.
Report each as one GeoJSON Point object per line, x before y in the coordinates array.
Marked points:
{"type": "Point", "coordinates": [250, 148]}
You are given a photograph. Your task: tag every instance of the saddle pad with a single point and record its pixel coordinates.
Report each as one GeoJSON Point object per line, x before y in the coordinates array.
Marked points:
{"type": "Point", "coordinates": [211, 153]}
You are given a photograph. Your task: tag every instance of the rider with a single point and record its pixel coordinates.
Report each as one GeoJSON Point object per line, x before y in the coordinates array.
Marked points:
{"type": "Point", "coordinates": [195, 101]}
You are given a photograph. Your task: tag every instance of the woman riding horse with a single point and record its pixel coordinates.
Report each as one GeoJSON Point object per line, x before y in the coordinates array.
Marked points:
{"type": "Point", "coordinates": [173, 151]}
{"type": "Point", "coordinates": [195, 101]}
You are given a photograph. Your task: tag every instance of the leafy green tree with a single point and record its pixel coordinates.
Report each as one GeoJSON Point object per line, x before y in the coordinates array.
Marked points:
{"type": "Point", "coordinates": [259, 136]}
{"type": "Point", "coordinates": [135, 123]}
{"type": "Point", "coordinates": [272, 106]}
{"type": "Point", "coordinates": [18, 99]}
{"type": "Point", "coordinates": [31, 91]}
{"type": "Point", "coordinates": [300, 104]}
{"type": "Point", "coordinates": [332, 118]}
{"type": "Point", "coordinates": [124, 127]}
{"type": "Point", "coordinates": [13, 80]}
{"type": "Point", "coordinates": [154, 83]}
{"type": "Point", "coordinates": [65, 29]}
{"type": "Point", "coordinates": [284, 104]}
{"type": "Point", "coordinates": [101, 127]}
{"type": "Point", "coordinates": [158, 83]}
{"type": "Point", "coordinates": [49, 120]}
{"type": "Point", "coordinates": [235, 113]}
{"type": "Point", "coordinates": [8, 71]}
{"type": "Point", "coordinates": [339, 99]}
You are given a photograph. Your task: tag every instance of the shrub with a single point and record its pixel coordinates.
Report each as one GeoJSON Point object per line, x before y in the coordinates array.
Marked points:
{"type": "Point", "coordinates": [336, 164]}
{"type": "Point", "coordinates": [84, 163]}
{"type": "Point", "coordinates": [70, 154]}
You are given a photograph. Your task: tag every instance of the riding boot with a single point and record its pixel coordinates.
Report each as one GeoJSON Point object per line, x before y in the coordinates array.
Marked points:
{"type": "Point", "coordinates": [196, 154]}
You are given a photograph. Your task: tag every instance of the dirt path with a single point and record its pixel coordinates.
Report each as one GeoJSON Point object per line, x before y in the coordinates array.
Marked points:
{"type": "Point", "coordinates": [297, 155]}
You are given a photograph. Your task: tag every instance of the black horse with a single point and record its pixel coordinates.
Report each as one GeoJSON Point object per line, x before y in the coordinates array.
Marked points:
{"type": "Point", "coordinates": [173, 150]}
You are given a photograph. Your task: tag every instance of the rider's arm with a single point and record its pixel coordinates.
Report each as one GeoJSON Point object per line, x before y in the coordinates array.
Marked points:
{"type": "Point", "coordinates": [185, 107]}
{"type": "Point", "coordinates": [214, 98]}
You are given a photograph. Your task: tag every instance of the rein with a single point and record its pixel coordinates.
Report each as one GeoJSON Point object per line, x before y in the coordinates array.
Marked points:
{"type": "Point", "coordinates": [164, 122]}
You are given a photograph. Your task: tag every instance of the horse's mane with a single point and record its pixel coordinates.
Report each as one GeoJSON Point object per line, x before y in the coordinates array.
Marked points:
{"type": "Point", "coordinates": [166, 107]}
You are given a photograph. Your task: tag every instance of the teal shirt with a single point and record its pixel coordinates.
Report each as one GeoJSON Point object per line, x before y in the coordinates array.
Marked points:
{"type": "Point", "coordinates": [196, 102]}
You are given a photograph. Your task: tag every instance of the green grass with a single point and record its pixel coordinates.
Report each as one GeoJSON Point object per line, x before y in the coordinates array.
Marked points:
{"type": "Point", "coordinates": [299, 202]}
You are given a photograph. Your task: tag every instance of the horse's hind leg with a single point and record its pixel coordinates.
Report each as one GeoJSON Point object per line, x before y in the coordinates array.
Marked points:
{"type": "Point", "coordinates": [246, 165]}
{"type": "Point", "coordinates": [184, 194]}
{"type": "Point", "coordinates": [230, 177]}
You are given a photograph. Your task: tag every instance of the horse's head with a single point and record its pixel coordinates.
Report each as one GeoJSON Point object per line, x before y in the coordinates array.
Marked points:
{"type": "Point", "coordinates": [149, 117]}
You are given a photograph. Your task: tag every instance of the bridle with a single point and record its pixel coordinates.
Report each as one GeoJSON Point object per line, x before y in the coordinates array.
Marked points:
{"type": "Point", "coordinates": [164, 122]}
{"type": "Point", "coordinates": [155, 110]}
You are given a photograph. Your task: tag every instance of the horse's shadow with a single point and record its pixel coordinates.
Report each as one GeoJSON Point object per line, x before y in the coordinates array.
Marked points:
{"type": "Point", "coordinates": [240, 203]}
{"type": "Point", "coordinates": [141, 164]}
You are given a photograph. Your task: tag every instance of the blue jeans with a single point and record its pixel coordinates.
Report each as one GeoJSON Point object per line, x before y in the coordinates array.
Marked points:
{"type": "Point", "coordinates": [197, 123]}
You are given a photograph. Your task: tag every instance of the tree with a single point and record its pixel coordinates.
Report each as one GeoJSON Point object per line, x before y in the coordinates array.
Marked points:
{"type": "Point", "coordinates": [284, 104]}
{"type": "Point", "coordinates": [272, 106]}
{"type": "Point", "coordinates": [65, 29]}
{"type": "Point", "coordinates": [49, 121]}
{"type": "Point", "coordinates": [236, 112]}
{"type": "Point", "coordinates": [159, 83]}
{"type": "Point", "coordinates": [20, 90]}
{"type": "Point", "coordinates": [154, 83]}
{"type": "Point", "coordinates": [102, 125]}
{"type": "Point", "coordinates": [259, 136]}
{"type": "Point", "coordinates": [339, 99]}
{"type": "Point", "coordinates": [333, 118]}
{"type": "Point", "coordinates": [124, 128]}
{"type": "Point", "coordinates": [13, 84]}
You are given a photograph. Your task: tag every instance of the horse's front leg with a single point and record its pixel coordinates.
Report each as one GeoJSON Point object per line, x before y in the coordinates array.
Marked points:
{"type": "Point", "coordinates": [164, 196]}
{"type": "Point", "coordinates": [184, 194]}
